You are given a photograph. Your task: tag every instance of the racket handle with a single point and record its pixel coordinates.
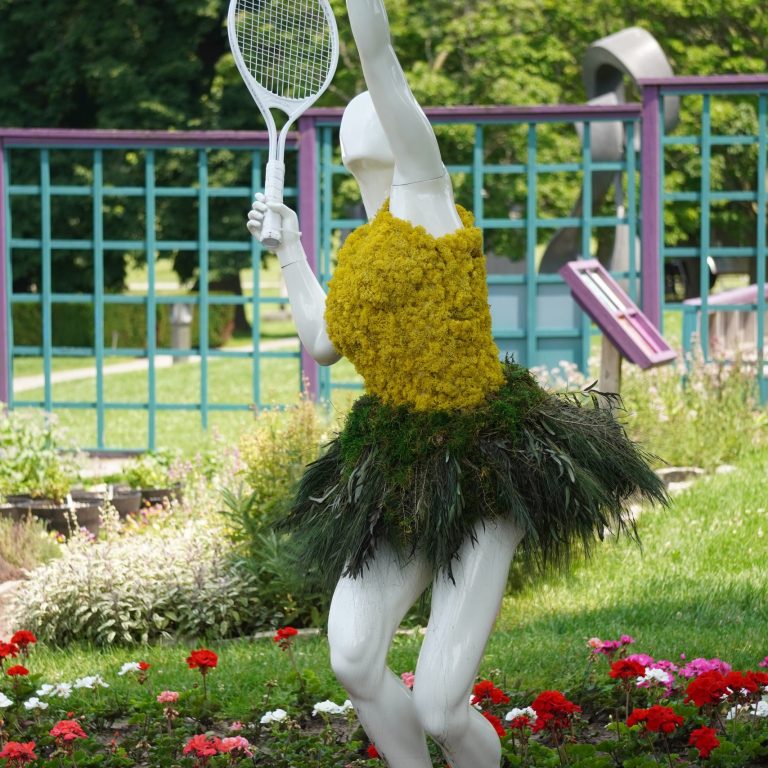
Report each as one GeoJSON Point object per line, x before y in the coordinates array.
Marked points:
{"type": "Point", "coordinates": [272, 227]}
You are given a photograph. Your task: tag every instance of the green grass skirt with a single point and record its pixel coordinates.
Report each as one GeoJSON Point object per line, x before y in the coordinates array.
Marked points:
{"type": "Point", "coordinates": [561, 466]}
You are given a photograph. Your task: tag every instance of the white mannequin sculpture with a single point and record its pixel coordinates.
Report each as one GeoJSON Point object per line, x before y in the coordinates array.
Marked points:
{"type": "Point", "coordinates": [389, 146]}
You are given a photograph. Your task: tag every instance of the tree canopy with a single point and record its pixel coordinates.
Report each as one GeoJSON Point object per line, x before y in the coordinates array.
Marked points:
{"type": "Point", "coordinates": [166, 64]}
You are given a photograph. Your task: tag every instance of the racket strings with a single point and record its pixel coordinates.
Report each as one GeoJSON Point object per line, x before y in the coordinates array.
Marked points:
{"type": "Point", "coordinates": [286, 45]}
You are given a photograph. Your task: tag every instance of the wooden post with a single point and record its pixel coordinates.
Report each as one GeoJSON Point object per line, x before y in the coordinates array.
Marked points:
{"type": "Point", "coordinates": [610, 367]}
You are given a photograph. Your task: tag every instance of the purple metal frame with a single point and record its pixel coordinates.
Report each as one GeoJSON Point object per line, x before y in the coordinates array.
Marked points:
{"type": "Point", "coordinates": [308, 225]}
{"type": "Point", "coordinates": [500, 113]}
{"type": "Point", "coordinates": [66, 137]}
{"type": "Point", "coordinates": [5, 352]}
{"type": "Point", "coordinates": [308, 171]}
{"type": "Point", "coordinates": [650, 170]}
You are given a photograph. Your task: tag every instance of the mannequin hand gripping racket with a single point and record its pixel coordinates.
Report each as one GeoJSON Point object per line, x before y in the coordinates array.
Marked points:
{"type": "Point", "coordinates": [286, 52]}
{"type": "Point", "coordinates": [305, 292]}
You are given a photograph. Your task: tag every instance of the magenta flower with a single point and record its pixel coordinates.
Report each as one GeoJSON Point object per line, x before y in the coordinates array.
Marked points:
{"type": "Point", "coordinates": [700, 666]}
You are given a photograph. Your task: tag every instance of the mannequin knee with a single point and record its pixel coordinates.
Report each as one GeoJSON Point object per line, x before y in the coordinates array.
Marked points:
{"type": "Point", "coordinates": [357, 663]}
{"type": "Point", "coordinates": [440, 718]}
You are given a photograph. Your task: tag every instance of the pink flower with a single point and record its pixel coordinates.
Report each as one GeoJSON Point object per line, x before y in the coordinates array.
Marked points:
{"type": "Point", "coordinates": [168, 697]}
{"type": "Point", "coordinates": [641, 658]}
{"type": "Point", "coordinates": [595, 643]}
{"type": "Point", "coordinates": [408, 678]}
{"type": "Point", "coordinates": [701, 666]}
{"type": "Point", "coordinates": [236, 743]}
{"type": "Point", "coordinates": [202, 746]}
{"type": "Point", "coordinates": [763, 663]}
{"type": "Point", "coordinates": [236, 726]}
{"type": "Point", "coordinates": [626, 640]}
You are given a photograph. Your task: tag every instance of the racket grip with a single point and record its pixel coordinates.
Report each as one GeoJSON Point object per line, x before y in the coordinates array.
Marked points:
{"type": "Point", "coordinates": [272, 227]}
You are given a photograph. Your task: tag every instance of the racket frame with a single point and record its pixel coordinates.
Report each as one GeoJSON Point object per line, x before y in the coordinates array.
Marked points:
{"type": "Point", "coordinates": [274, 179]}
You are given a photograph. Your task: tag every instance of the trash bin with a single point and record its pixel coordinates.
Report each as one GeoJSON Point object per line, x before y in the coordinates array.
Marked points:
{"type": "Point", "coordinates": [181, 330]}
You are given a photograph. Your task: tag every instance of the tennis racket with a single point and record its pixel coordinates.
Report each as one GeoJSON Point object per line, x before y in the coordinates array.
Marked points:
{"type": "Point", "coordinates": [286, 52]}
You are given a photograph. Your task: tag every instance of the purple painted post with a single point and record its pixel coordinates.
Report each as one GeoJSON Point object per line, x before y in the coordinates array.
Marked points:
{"type": "Point", "coordinates": [5, 377]}
{"type": "Point", "coordinates": [308, 227]}
{"type": "Point", "coordinates": [650, 201]}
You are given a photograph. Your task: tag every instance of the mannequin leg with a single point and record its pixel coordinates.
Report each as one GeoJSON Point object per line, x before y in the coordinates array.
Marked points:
{"type": "Point", "coordinates": [461, 621]}
{"type": "Point", "coordinates": [365, 613]}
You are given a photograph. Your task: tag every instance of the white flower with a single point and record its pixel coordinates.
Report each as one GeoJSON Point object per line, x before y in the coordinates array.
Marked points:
{"type": "Point", "coordinates": [62, 690]}
{"type": "Point", "coordinates": [129, 666]}
{"type": "Point", "coordinates": [756, 710]}
{"type": "Point", "coordinates": [275, 716]}
{"type": "Point", "coordinates": [45, 689]}
{"type": "Point", "coordinates": [35, 703]}
{"type": "Point", "coordinates": [654, 675]}
{"type": "Point", "coordinates": [329, 707]}
{"type": "Point", "coordinates": [528, 712]}
{"type": "Point", "coordinates": [91, 681]}
{"type": "Point", "coordinates": [5, 701]}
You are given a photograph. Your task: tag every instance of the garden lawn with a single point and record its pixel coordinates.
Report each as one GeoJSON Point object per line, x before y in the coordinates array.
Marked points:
{"type": "Point", "coordinates": [697, 587]}
{"type": "Point", "coordinates": [229, 381]}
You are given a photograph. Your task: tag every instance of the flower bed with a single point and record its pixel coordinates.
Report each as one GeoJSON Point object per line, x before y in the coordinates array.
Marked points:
{"type": "Point", "coordinates": [633, 711]}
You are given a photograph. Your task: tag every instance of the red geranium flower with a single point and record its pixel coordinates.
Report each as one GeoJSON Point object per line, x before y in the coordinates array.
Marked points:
{"type": "Point", "coordinates": [623, 669]}
{"type": "Point", "coordinates": [67, 731]}
{"type": "Point", "coordinates": [17, 671]}
{"type": "Point", "coordinates": [23, 638]}
{"type": "Point", "coordinates": [761, 678]}
{"type": "Point", "coordinates": [656, 719]}
{"type": "Point", "coordinates": [18, 753]}
{"type": "Point", "coordinates": [520, 722]}
{"type": "Point", "coordinates": [705, 740]}
{"type": "Point", "coordinates": [143, 666]}
{"type": "Point", "coordinates": [708, 688]}
{"type": "Point", "coordinates": [372, 752]}
{"type": "Point", "coordinates": [284, 635]}
{"type": "Point", "coordinates": [738, 682]}
{"type": "Point", "coordinates": [498, 726]}
{"type": "Point", "coordinates": [485, 690]}
{"type": "Point", "coordinates": [8, 649]}
{"type": "Point", "coordinates": [553, 711]}
{"type": "Point", "coordinates": [202, 659]}
{"type": "Point", "coordinates": [203, 746]}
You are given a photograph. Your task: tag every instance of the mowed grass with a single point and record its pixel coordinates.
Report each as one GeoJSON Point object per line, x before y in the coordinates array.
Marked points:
{"type": "Point", "coordinates": [698, 586]}
{"type": "Point", "coordinates": [228, 381]}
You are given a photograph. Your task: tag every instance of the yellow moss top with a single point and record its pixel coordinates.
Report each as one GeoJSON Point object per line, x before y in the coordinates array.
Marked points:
{"type": "Point", "coordinates": [411, 313]}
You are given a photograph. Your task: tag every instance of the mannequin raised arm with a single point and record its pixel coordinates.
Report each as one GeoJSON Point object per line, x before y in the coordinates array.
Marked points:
{"type": "Point", "coordinates": [305, 294]}
{"type": "Point", "coordinates": [410, 136]}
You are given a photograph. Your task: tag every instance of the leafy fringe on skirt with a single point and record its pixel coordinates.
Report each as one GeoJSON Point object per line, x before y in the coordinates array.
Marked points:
{"type": "Point", "coordinates": [560, 466]}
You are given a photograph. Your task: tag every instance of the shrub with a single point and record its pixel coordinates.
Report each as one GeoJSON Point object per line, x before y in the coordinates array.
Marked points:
{"type": "Point", "coordinates": [150, 470]}
{"type": "Point", "coordinates": [705, 416]}
{"type": "Point", "coordinates": [26, 543]}
{"type": "Point", "coordinates": [273, 455]}
{"type": "Point", "coordinates": [125, 325]}
{"type": "Point", "coordinates": [701, 413]}
{"type": "Point", "coordinates": [177, 581]}
{"type": "Point", "coordinates": [36, 456]}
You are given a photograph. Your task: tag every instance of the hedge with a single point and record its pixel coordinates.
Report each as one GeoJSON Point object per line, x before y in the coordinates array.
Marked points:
{"type": "Point", "coordinates": [125, 325]}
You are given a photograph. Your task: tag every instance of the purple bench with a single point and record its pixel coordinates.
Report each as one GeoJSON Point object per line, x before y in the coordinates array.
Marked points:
{"type": "Point", "coordinates": [732, 319]}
